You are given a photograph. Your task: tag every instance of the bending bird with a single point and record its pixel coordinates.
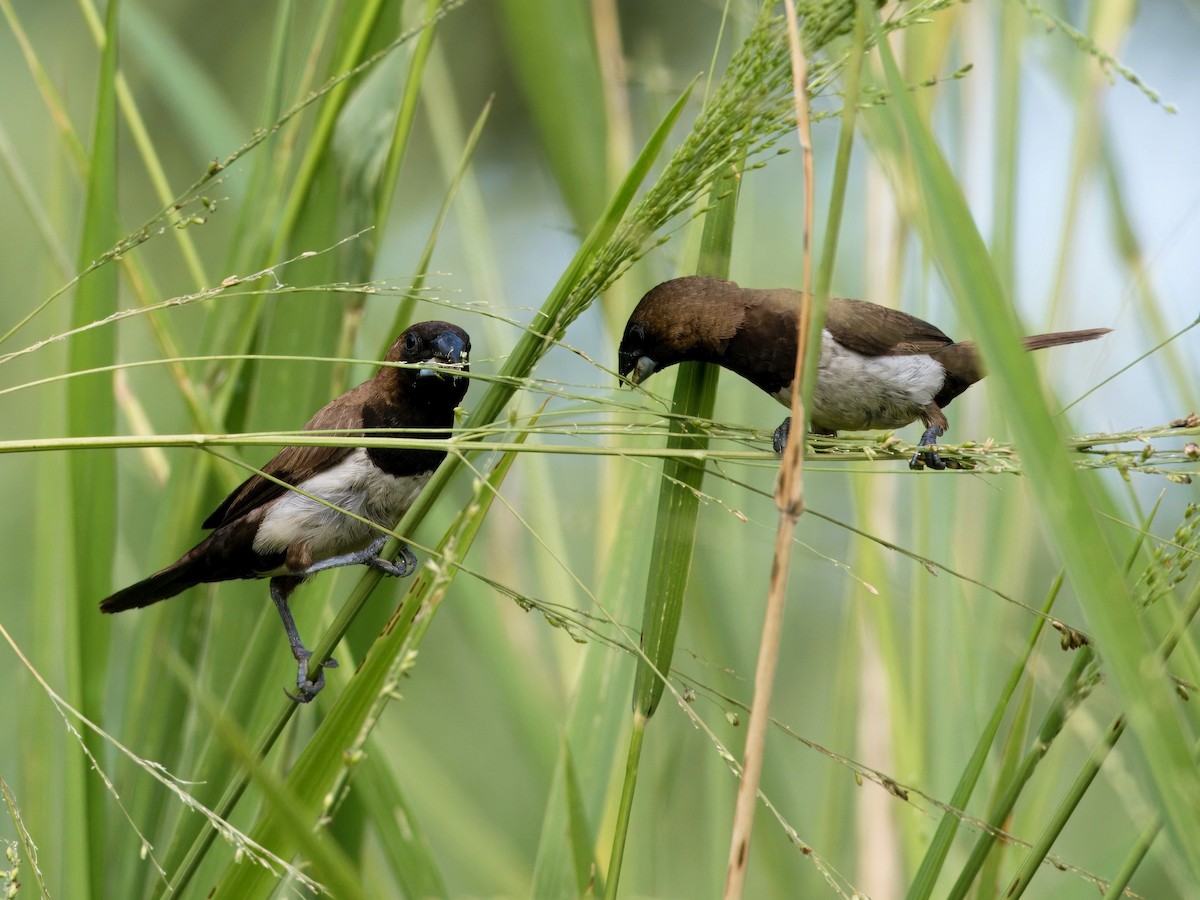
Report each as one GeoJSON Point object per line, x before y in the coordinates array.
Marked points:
{"type": "Point", "coordinates": [266, 530]}
{"type": "Point", "coordinates": [879, 367]}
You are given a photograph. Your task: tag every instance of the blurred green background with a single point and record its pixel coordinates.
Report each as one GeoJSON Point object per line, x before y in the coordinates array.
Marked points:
{"type": "Point", "coordinates": [496, 768]}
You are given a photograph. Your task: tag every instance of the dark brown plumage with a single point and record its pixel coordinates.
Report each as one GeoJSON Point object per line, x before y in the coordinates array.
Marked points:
{"type": "Point", "coordinates": [265, 530]}
{"type": "Point", "coordinates": [879, 367]}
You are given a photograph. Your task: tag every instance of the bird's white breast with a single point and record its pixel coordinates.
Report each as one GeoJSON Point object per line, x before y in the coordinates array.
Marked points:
{"type": "Point", "coordinates": [856, 392]}
{"type": "Point", "coordinates": [355, 484]}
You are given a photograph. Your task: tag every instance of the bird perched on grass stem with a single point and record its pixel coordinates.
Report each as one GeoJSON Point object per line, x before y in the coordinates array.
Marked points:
{"type": "Point", "coordinates": [265, 530]}
{"type": "Point", "coordinates": [879, 367]}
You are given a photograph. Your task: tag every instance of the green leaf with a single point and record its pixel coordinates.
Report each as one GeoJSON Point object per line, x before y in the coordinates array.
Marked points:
{"type": "Point", "coordinates": [552, 50]}
{"type": "Point", "coordinates": [91, 410]}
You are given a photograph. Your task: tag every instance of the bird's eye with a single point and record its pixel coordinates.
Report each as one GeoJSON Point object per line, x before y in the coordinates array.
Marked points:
{"type": "Point", "coordinates": [411, 342]}
{"type": "Point", "coordinates": [637, 331]}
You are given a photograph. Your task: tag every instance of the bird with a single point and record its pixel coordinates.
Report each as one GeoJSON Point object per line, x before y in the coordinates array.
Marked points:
{"type": "Point", "coordinates": [266, 530]}
{"type": "Point", "coordinates": [879, 367]}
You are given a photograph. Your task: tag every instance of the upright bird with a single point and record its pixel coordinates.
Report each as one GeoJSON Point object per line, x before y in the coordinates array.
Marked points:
{"type": "Point", "coordinates": [265, 530]}
{"type": "Point", "coordinates": [879, 367]}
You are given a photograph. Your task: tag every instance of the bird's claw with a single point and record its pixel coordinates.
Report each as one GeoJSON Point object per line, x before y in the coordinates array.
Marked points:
{"type": "Point", "coordinates": [780, 438]}
{"type": "Point", "coordinates": [399, 567]}
{"type": "Point", "coordinates": [307, 688]}
{"type": "Point", "coordinates": [927, 455]}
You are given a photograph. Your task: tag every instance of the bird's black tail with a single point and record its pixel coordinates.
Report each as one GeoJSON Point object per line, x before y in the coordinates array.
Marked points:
{"type": "Point", "coordinates": [174, 579]}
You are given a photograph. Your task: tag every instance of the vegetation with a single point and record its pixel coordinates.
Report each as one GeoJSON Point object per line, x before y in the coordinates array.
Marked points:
{"type": "Point", "coordinates": [222, 215]}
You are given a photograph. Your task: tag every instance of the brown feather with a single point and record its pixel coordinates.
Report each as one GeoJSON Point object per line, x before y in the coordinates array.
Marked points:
{"type": "Point", "coordinates": [874, 330]}
{"type": "Point", "coordinates": [295, 464]}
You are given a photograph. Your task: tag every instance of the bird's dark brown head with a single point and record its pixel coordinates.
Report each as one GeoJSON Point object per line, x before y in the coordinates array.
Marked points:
{"type": "Point", "coordinates": [439, 354]}
{"type": "Point", "coordinates": [683, 320]}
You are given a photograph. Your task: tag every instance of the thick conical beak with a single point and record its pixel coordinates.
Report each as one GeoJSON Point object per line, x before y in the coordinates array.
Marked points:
{"type": "Point", "coordinates": [642, 370]}
{"type": "Point", "coordinates": [450, 352]}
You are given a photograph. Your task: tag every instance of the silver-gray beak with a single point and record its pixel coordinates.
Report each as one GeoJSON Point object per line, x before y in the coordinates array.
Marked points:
{"type": "Point", "coordinates": [644, 369]}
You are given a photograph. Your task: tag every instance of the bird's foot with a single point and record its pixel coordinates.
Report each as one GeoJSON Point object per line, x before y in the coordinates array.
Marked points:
{"type": "Point", "coordinates": [780, 438]}
{"type": "Point", "coordinates": [307, 688]}
{"type": "Point", "coordinates": [928, 457]}
{"type": "Point", "coordinates": [406, 563]}
{"type": "Point", "coordinates": [368, 556]}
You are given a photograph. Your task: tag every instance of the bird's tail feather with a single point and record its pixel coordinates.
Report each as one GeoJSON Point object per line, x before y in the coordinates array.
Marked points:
{"type": "Point", "coordinates": [1058, 338]}
{"type": "Point", "coordinates": [174, 579]}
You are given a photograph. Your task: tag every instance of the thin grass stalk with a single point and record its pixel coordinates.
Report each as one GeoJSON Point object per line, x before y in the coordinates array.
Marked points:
{"type": "Point", "coordinates": [1149, 306]}
{"type": "Point", "coordinates": [1065, 502]}
{"type": "Point", "coordinates": [9, 877]}
{"type": "Point", "coordinates": [939, 848]}
{"type": "Point", "coordinates": [1108, 24]}
{"type": "Point", "coordinates": [789, 491]}
{"type": "Point", "coordinates": [789, 497]}
{"type": "Point", "coordinates": [10, 164]}
{"type": "Point", "coordinates": [304, 214]}
{"type": "Point", "coordinates": [139, 277]}
{"type": "Point", "coordinates": [316, 149]}
{"type": "Point", "coordinates": [675, 524]}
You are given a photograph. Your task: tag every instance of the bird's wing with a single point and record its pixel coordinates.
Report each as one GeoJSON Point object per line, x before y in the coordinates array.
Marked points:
{"type": "Point", "coordinates": [293, 465]}
{"type": "Point", "coordinates": [880, 331]}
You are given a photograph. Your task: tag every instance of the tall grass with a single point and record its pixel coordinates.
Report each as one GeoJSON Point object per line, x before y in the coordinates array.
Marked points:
{"type": "Point", "coordinates": [172, 319]}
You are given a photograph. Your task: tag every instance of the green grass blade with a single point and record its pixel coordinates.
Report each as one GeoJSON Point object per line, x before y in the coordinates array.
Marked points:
{"type": "Point", "coordinates": [404, 119]}
{"type": "Point", "coordinates": [1076, 684]}
{"type": "Point", "coordinates": [555, 57]}
{"type": "Point", "coordinates": [1066, 808]}
{"type": "Point", "coordinates": [675, 524]}
{"type": "Point", "coordinates": [395, 823]}
{"type": "Point", "coordinates": [91, 410]}
{"type": "Point", "coordinates": [150, 157]}
{"type": "Point", "coordinates": [404, 310]}
{"type": "Point", "coordinates": [1091, 768]}
{"type": "Point", "coordinates": [600, 710]}
{"type": "Point", "coordinates": [939, 848]}
{"type": "Point", "coordinates": [329, 865]}
{"type": "Point", "coordinates": [1065, 499]}
{"type": "Point", "coordinates": [581, 838]}
{"type": "Point", "coordinates": [358, 24]}
{"type": "Point", "coordinates": [1012, 756]}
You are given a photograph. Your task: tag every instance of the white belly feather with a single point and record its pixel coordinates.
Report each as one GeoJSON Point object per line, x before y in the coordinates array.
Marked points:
{"type": "Point", "coordinates": [856, 392]}
{"type": "Point", "coordinates": [355, 484]}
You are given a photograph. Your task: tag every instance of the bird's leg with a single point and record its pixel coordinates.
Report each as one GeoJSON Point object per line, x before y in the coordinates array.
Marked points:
{"type": "Point", "coordinates": [935, 427]}
{"type": "Point", "coordinates": [780, 438]}
{"type": "Point", "coordinates": [369, 556]}
{"type": "Point", "coordinates": [306, 688]}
